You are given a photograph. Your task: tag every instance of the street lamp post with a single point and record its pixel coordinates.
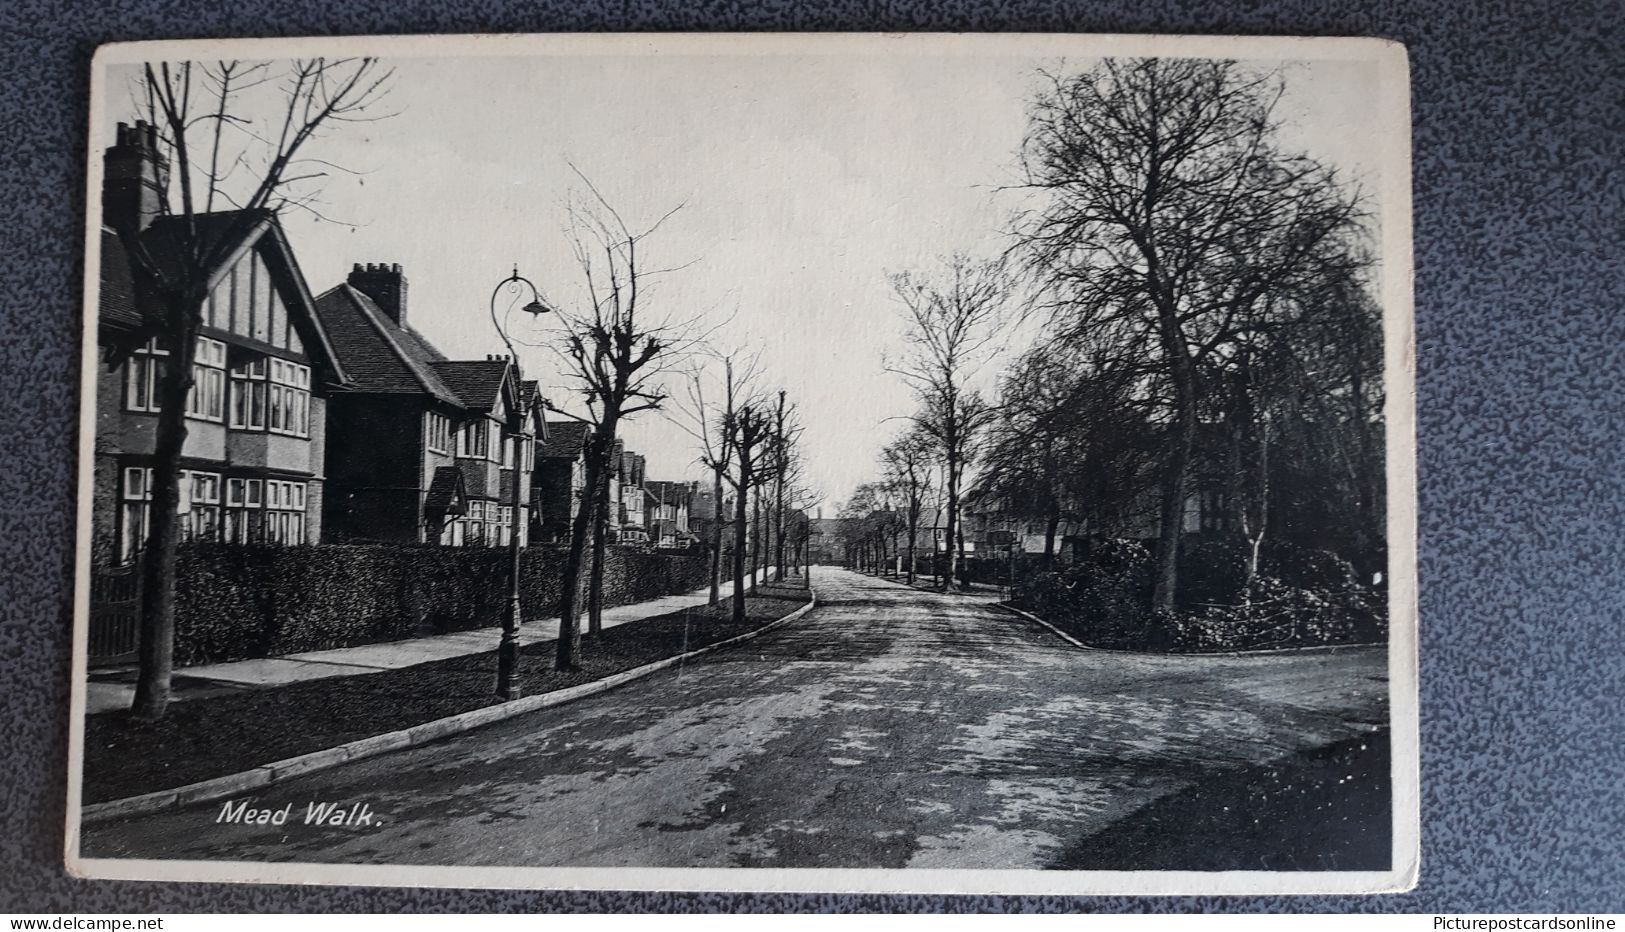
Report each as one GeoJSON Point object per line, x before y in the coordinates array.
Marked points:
{"type": "Point", "coordinates": [508, 651]}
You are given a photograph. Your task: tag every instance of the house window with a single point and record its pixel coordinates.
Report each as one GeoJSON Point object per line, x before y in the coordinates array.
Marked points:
{"type": "Point", "coordinates": [476, 440]}
{"type": "Point", "coordinates": [198, 514]}
{"type": "Point", "coordinates": [504, 525]}
{"type": "Point", "coordinates": [289, 405]}
{"type": "Point", "coordinates": [135, 494]}
{"type": "Point", "coordinates": [284, 512]}
{"type": "Point", "coordinates": [509, 445]}
{"type": "Point", "coordinates": [142, 376]}
{"type": "Point", "coordinates": [270, 511]}
{"type": "Point", "coordinates": [248, 389]}
{"type": "Point", "coordinates": [438, 432]}
{"type": "Point", "coordinates": [270, 394]}
{"type": "Point", "coordinates": [201, 496]}
{"type": "Point", "coordinates": [469, 529]}
{"type": "Point", "coordinates": [207, 398]}
{"type": "Point", "coordinates": [1213, 511]}
{"type": "Point", "coordinates": [245, 515]}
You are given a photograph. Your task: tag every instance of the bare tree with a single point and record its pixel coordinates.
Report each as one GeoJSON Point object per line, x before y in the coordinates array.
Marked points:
{"type": "Point", "coordinates": [1169, 213]}
{"type": "Point", "coordinates": [218, 153]}
{"type": "Point", "coordinates": [711, 424]}
{"type": "Point", "coordinates": [749, 431]}
{"type": "Point", "coordinates": [908, 463]}
{"type": "Point", "coordinates": [786, 458]}
{"type": "Point", "coordinates": [617, 355]}
{"type": "Point", "coordinates": [952, 319]}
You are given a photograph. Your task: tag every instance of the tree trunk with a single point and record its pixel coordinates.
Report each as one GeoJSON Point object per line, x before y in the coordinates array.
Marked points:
{"type": "Point", "coordinates": [716, 537]}
{"type": "Point", "coordinates": [778, 526]}
{"type": "Point", "coordinates": [758, 556]}
{"type": "Point", "coordinates": [156, 650]}
{"type": "Point", "coordinates": [952, 542]}
{"type": "Point", "coordinates": [1175, 482]}
{"type": "Point", "coordinates": [1052, 527]}
{"type": "Point", "coordinates": [595, 587]}
{"type": "Point", "coordinates": [568, 649]}
{"type": "Point", "coordinates": [741, 525]}
{"type": "Point", "coordinates": [913, 534]}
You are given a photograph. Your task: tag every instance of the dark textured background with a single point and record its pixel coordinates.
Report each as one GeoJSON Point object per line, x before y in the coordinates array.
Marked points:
{"type": "Point", "coordinates": [1520, 349]}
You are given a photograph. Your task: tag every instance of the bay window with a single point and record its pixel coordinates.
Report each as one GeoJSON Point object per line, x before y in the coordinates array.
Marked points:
{"type": "Point", "coordinates": [270, 394]}
{"type": "Point", "coordinates": [270, 511]}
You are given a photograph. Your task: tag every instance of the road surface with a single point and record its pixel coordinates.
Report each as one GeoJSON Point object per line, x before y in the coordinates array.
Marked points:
{"type": "Point", "coordinates": [888, 728]}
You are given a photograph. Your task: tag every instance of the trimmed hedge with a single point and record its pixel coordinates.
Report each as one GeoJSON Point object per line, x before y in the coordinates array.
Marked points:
{"type": "Point", "coordinates": [239, 602]}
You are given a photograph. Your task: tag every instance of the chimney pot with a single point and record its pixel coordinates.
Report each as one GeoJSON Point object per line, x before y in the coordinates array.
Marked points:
{"type": "Point", "coordinates": [135, 178]}
{"type": "Point", "coordinates": [385, 285]}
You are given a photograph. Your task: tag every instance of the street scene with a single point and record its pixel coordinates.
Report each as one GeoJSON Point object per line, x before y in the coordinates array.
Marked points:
{"type": "Point", "coordinates": [890, 727]}
{"type": "Point", "coordinates": [740, 462]}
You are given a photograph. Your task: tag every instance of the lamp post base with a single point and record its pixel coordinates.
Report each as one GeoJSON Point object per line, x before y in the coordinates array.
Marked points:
{"type": "Point", "coordinates": [508, 655]}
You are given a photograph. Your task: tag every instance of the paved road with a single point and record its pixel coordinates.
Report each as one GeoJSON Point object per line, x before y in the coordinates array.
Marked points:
{"type": "Point", "coordinates": [888, 728]}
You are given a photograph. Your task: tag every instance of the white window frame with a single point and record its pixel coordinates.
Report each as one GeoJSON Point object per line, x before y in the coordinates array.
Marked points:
{"type": "Point", "coordinates": [206, 400]}
{"type": "Point", "coordinates": [143, 372]}
{"type": "Point", "coordinates": [437, 430]}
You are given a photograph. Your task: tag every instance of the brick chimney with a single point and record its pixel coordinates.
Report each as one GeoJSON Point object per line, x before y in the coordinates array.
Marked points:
{"type": "Point", "coordinates": [135, 177]}
{"type": "Point", "coordinates": [385, 284]}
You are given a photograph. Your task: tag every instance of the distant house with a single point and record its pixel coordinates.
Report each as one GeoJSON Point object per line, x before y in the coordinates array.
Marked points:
{"type": "Point", "coordinates": [667, 512]}
{"type": "Point", "coordinates": [634, 527]}
{"type": "Point", "coordinates": [560, 480]}
{"type": "Point", "coordinates": [264, 373]}
{"type": "Point", "coordinates": [424, 449]}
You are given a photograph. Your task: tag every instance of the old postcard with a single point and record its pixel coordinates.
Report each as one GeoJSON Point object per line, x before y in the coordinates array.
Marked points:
{"type": "Point", "coordinates": [829, 463]}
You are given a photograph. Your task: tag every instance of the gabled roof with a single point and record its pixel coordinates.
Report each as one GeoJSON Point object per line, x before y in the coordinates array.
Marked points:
{"type": "Point", "coordinates": [378, 354]}
{"type": "Point", "coordinates": [478, 382]}
{"type": "Point", "coordinates": [565, 438]}
{"type": "Point", "coordinates": [446, 492]}
{"type": "Point", "coordinates": [166, 237]}
{"type": "Point", "coordinates": [164, 241]}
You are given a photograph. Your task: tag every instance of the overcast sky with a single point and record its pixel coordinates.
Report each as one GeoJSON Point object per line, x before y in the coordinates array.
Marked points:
{"type": "Point", "coordinates": [804, 180]}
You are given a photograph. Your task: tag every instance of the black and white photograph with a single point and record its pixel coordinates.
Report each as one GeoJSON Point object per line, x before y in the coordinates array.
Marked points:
{"type": "Point", "coordinates": [843, 463]}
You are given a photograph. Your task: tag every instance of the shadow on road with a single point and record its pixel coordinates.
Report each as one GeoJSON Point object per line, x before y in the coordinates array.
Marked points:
{"type": "Point", "coordinates": [1323, 810]}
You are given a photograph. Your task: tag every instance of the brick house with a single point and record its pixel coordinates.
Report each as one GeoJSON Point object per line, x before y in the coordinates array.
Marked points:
{"type": "Point", "coordinates": [424, 449]}
{"type": "Point", "coordinates": [560, 480]}
{"type": "Point", "coordinates": [667, 508]}
{"type": "Point", "coordinates": [634, 528]}
{"type": "Point", "coordinates": [264, 374]}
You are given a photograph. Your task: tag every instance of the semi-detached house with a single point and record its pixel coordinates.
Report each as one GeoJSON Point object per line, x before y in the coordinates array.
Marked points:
{"type": "Point", "coordinates": [424, 449]}
{"type": "Point", "coordinates": [264, 373]}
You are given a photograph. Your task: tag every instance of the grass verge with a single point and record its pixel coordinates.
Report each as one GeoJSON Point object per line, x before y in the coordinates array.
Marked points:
{"type": "Point", "coordinates": [205, 738]}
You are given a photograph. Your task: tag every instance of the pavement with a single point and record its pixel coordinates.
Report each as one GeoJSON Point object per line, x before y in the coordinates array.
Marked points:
{"type": "Point", "coordinates": [889, 727]}
{"type": "Point", "coordinates": [114, 688]}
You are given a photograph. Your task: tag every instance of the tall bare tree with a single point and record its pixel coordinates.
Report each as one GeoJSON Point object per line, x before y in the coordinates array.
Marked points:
{"type": "Point", "coordinates": [1169, 211]}
{"type": "Point", "coordinates": [908, 463]}
{"type": "Point", "coordinates": [229, 162]}
{"type": "Point", "coordinates": [617, 355]}
{"type": "Point", "coordinates": [951, 321]}
{"type": "Point", "coordinates": [712, 425]}
{"type": "Point", "coordinates": [750, 429]}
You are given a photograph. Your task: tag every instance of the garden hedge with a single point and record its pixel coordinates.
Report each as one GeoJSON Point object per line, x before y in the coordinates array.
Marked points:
{"type": "Point", "coordinates": [238, 602]}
